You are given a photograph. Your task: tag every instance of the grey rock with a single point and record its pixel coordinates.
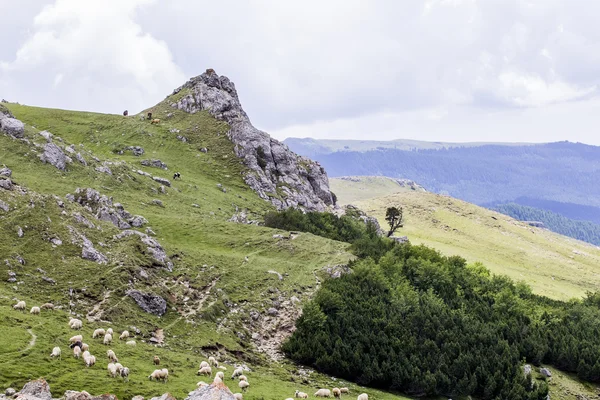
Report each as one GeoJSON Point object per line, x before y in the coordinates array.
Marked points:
{"type": "Point", "coordinates": [254, 315]}
{"type": "Point", "coordinates": [149, 231]}
{"type": "Point", "coordinates": [56, 241]}
{"type": "Point", "coordinates": [182, 138]}
{"type": "Point", "coordinates": [12, 126]}
{"type": "Point", "coordinates": [46, 135]}
{"type": "Point", "coordinates": [166, 396]}
{"type": "Point", "coordinates": [6, 184]}
{"type": "Point", "coordinates": [136, 150]}
{"type": "Point", "coordinates": [399, 239]}
{"type": "Point", "coordinates": [301, 181]}
{"type": "Point", "coordinates": [104, 209]}
{"type": "Point", "coordinates": [10, 392]}
{"type": "Point", "coordinates": [138, 397]}
{"type": "Point", "coordinates": [20, 259]}
{"type": "Point", "coordinates": [138, 221]}
{"type": "Point", "coordinates": [35, 390]}
{"type": "Point", "coordinates": [74, 395]}
{"type": "Point", "coordinates": [152, 246]}
{"type": "Point", "coordinates": [546, 372]}
{"type": "Point", "coordinates": [149, 302]}
{"type": "Point", "coordinates": [49, 280]}
{"type": "Point", "coordinates": [527, 369]}
{"type": "Point", "coordinates": [144, 274]}
{"type": "Point", "coordinates": [204, 150]}
{"type": "Point", "coordinates": [337, 270]}
{"type": "Point", "coordinates": [272, 311]}
{"type": "Point", "coordinates": [157, 202]}
{"type": "Point", "coordinates": [83, 220]}
{"type": "Point", "coordinates": [104, 169]}
{"type": "Point", "coordinates": [154, 163]}
{"type": "Point", "coordinates": [88, 252]}
{"type": "Point", "coordinates": [80, 158]}
{"type": "Point", "coordinates": [5, 172]}
{"type": "Point", "coordinates": [19, 231]}
{"type": "Point", "coordinates": [214, 391]}
{"type": "Point", "coordinates": [139, 171]}
{"type": "Point", "coordinates": [163, 181]}
{"type": "Point", "coordinates": [53, 155]}
{"type": "Point", "coordinates": [4, 206]}
{"type": "Point", "coordinates": [276, 273]}
{"type": "Point", "coordinates": [174, 130]}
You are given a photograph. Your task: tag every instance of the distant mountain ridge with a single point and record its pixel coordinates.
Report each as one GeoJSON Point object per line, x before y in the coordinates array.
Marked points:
{"type": "Point", "coordinates": [561, 172]}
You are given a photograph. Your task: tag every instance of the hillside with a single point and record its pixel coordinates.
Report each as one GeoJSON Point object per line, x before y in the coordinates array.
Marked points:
{"type": "Point", "coordinates": [563, 173]}
{"type": "Point", "coordinates": [138, 240]}
{"type": "Point", "coordinates": [554, 265]}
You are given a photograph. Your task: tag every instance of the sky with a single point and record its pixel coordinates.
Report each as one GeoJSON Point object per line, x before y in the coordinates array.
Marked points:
{"type": "Point", "coordinates": [440, 70]}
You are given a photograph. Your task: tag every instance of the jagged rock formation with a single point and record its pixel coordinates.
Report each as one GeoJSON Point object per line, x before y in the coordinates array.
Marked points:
{"type": "Point", "coordinates": [154, 248]}
{"type": "Point", "coordinates": [216, 391]}
{"type": "Point", "coordinates": [9, 124]}
{"type": "Point", "coordinates": [276, 173]}
{"type": "Point", "coordinates": [149, 302]}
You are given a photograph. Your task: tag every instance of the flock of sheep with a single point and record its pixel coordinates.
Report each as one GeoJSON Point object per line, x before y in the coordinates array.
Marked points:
{"type": "Point", "coordinates": [114, 368]}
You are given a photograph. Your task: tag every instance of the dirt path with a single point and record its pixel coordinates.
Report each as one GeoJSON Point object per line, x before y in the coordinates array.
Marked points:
{"type": "Point", "coordinates": [32, 341]}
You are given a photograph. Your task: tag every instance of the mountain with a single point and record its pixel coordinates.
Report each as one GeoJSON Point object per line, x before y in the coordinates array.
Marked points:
{"type": "Point", "coordinates": [552, 264]}
{"type": "Point", "coordinates": [482, 174]}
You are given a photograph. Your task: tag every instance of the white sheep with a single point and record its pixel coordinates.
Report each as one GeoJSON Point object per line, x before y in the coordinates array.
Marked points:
{"type": "Point", "coordinates": [112, 356]}
{"type": "Point", "coordinates": [109, 331]}
{"type": "Point", "coordinates": [75, 324]}
{"type": "Point", "coordinates": [35, 310]}
{"type": "Point", "coordinates": [124, 335]}
{"type": "Point", "coordinates": [76, 338]}
{"type": "Point", "coordinates": [238, 396]}
{"type": "Point", "coordinates": [323, 393]}
{"type": "Point", "coordinates": [336, 393]}
{"type": "Point", "coordinates": [205, 371]}
{"type": "Point", "coordinates": [107, 338]}
{"type": "Point", "coordinates": [203, 364]}
{"type": "Point", "coordinates": [85, 346]}
{"type": "Point", "coordinates": [90, 361]}
{"type": "Point", "coordinates": [85, 354]}
{"type": "Point", "coordinates": [77, 351]}
{"type": "Point", "coordinates": [20, 306]}
{"type": "Point", "coordinates": [243, 385]}
{"type": "Point", "coordinates": [119, 367]}
{"type": "Point", "coordinates": [220, 375]}
{"type": "Point", "coordinates": [345, 390]}
{"type": "Point", "coordinates": [56, 352]}
{"type": "Point", "coordinates": [201, 384]}
{"type": "Point", "coordinates": [130, 343]}
{"type": "Point", "coordinates": [160, 374]}
{"type": "Point", "coordinates": [125, 374]}
{"type": "Point", "coordinates": [213, 361]}
{"type": "Point", "coordinates": [301, 395]}
{"type": "Point", "coordinates": [363, 396]}
{"type": "Point", "coordinates": [237, 372]}
{"type": "Point", "coordinates": [48, 306]}
{"type": "Point", "coordinates": [243, 378]}
{"type": "Point", "coordinates": [112, 369]}
{"type": "Point", "coordinates": [217, 380]}
{"type": "Point", "coordinates": [98, 332]}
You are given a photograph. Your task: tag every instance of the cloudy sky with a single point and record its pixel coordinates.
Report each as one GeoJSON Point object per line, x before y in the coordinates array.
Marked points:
{"type": "Point", "coordinates": [444, 70]}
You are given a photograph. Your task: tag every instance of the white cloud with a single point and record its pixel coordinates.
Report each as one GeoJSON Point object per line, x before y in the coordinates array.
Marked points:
{"type": "Point", "coordinates": [98, 55]}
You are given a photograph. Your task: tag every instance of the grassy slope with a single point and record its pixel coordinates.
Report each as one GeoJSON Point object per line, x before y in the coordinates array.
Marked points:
{"type": "Point", "coordinates": [207, 251]}
{"type": "Point", "coordinates": [364, 187]}
{"type": "Point", "coordinates": [554, 265]}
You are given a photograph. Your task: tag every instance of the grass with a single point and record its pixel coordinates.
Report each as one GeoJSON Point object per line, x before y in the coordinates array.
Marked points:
{"type": "Point", "coordinates": [553, 265]}
{"type": "Point", "coordinates": [210, 291]}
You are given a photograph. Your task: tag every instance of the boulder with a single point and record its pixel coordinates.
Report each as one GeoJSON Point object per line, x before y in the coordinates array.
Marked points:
{"type": "Point", "coordinates": [74, 395]}
{"type": "Point", "coordinates": [154, 163]}
{"type": "Point", "coordinates": [46, 135]}
{"type": "Point", "coordinates": [6, 184]}
{"type": "Point", "coordinates": [35, 390]}
{"type": "Point", "coordinates": [546, 372]}
{"type": "Point", "coordinates": [166, 396]}
{"type": "Point", "coordinates": [53, 155]}
{"type": "Point", "coordinates": [136, 150]}
{"type": "Point", "coordinates": [273, 168]}
{"type": "Point", "coordinates": [5, 172]}
{"type": "Point", "coordinates": [4, 206]}
{"type": "Point", "coordinates": [149, 302]}
{"type": "Point", "coordinates": [153, 247]}
{"type": "Point", "coordinates": [527, 369]}
{"type": "Point", "coordinates": [162, 181]}
{"type": "Point", "coordinates": [12, 127]}
{"type": "Point", "coordinates": [10, 392]}
{"type": "Point", "coordinates": [103, 169]}
{"type": "Point", "coordinates": [91, 254]}
{"type": "Point", "coordinates": [215, 391]}
{"type": "Point", "coordinates": [399, 239]}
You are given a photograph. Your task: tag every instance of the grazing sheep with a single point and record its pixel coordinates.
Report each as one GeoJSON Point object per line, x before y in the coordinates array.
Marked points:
{"type": "Point", "coordinates": [125, 374]}
{"type": "Point", "coordinates": [160, 374]}
{"type": "Point", "coordinates": [217, 380]}
{"type": "Point", "coordinates": [301, 395]}
{"type": "Point", "coordinates": [243, 385]}
{"type": "Point", "coordinates": [48, 306]}
{"type": "Point", "coordinates": [56, 352]}
{"type": "Point", "coordinates": [156, 360]}
{"type": "Point", "coordinates": [345, 390]}
{"type": "Point", "coordinates": [76, 344]}
{"type": "Point", "coordinates": [90, 361]}
{"type": "Point", "coordinates": [20, 306]}
{"type": "Point", "coordinates": [35, 310]}
{"type": "Point", "coordinates": [75, 324]}
{"type": "Point", "coordinates": [149, 115]}
{"type": "Point", "coordinates": [85, 354]}
{"type": "Point", "coordinates": [213, 361]}
{"type": "Point", "coordinates": [98, 332]}
{"type": "Point", "coordinates": [336, 393]}
{"type": "Point", "coordinates": [109, 331]}
{"type": "Point", "coordinates": [201, 384]}
{"type": "Point", "coordinates": [77, 351]}
{"type": "Point", "coordinates": [119, 367]}
{"type": "Point", "coordinates": [220, 375]}
{"type": "Point", "coordinates": [323, 393]}
{"type": "Point", "coordinates": [155, 121]}
{"type": "Point", "coordinates": [124, 335]}
{"type": "Point", "coordinates": [242, 378]}
{"type": "Point", "coordinates": [112, 356]}
{"type": "Point", "coordinates": [76, 338]}
{"type": "Point", "coordinates": [112, 369]}
{"type": "Point", "coordinates": [237, 372]}
{"type": "Point", "coordinates": [363, 396]}
{"type": "Point", "coordinates": [130, 343]}
{"type": "Point", "coordinates": [85, 346]}
{"type": "Point", "coordinates": [238, 396]}
{"type": "Point", "coordinates": [107, 338]}
{"type": "Point", "coordinates": [205, 371]}
{"type": "Point", "coordinates": [176, 175]}
{"type": "Point", "coordinates": [204, 364]}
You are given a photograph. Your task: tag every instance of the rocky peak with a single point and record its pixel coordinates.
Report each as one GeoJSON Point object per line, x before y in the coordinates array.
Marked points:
{"type": "Point", "coordinates": [276, 173]}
